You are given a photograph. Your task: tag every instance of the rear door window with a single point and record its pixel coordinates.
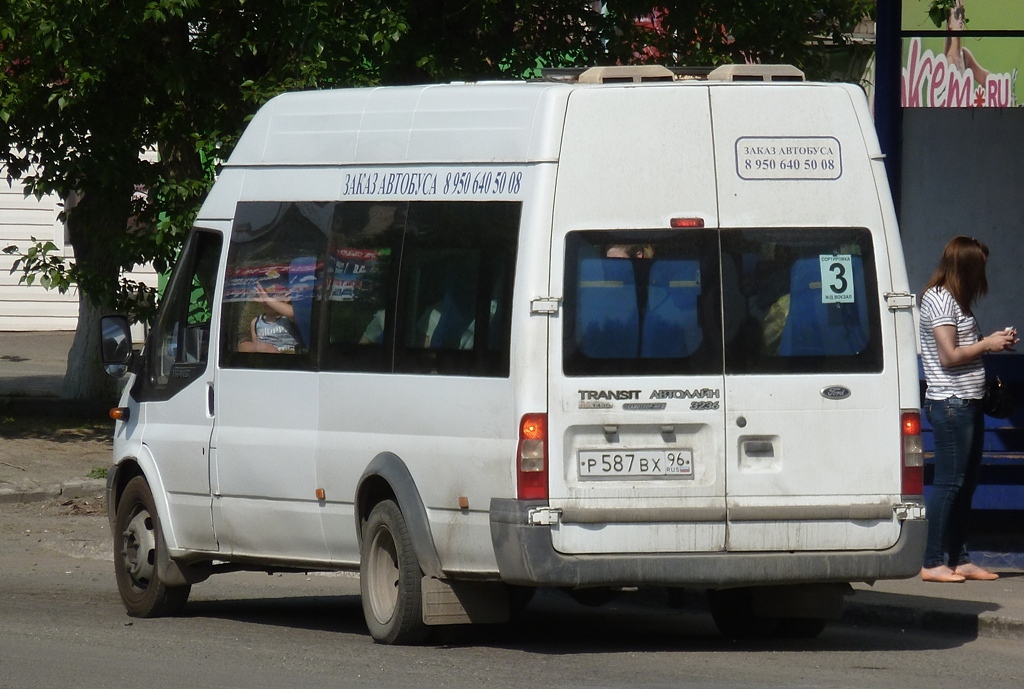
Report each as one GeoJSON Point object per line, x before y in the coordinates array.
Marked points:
{"type": "Point", "coordinates": [642, 303]}
{"type": "Point", "coordinates": [803, 301]}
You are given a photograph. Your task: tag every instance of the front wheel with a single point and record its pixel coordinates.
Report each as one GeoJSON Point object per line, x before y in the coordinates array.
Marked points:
{"type": "Point", "coordinates": [137, 539]}
{"type": "Point", "coordinates": [390, 578]}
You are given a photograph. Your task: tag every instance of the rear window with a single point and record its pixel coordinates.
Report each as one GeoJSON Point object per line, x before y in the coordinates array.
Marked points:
{"type": "Point", "coordinates": [748, 301]}
{"type": "Point", "coordinates": [801, 301]}
{"type": "Point", "coordinates": [642, 303]}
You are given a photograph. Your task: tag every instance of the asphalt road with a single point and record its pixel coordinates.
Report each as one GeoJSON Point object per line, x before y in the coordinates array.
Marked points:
{"type": "Point", "coordinates": [62, 624]}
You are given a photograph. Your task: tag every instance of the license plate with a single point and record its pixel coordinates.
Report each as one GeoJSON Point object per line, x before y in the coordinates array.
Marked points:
{"type": "Point", "coordinates": [676, 463]}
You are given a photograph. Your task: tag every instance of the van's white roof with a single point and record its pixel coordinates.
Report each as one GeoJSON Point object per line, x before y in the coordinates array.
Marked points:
{"type": "Point", "coordinates": [484, 122]}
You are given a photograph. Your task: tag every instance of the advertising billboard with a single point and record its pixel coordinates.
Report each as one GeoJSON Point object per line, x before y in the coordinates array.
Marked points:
{"type": "Point", "coordinates": [962, 53]}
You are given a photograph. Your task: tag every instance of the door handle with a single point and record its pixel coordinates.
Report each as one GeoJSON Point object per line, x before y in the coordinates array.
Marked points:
{"type": "Point", "coordinates": [758, 448]}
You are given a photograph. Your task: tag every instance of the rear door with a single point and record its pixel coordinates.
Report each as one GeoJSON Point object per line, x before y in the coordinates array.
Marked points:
{"type": "Point", "coordinates": [811, 396]}
{"type": "Point", "coordinates": [636, 413]}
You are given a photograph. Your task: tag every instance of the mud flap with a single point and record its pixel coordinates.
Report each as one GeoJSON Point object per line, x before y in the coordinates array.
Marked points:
{"type": "Point", "coordinates": [172, 573]}
{"type": "Point", "coordinates": [464, 602]}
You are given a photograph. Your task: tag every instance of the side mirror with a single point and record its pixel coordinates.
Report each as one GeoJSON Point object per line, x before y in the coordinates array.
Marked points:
{"type": "Point", "coordinates": [115, 345]}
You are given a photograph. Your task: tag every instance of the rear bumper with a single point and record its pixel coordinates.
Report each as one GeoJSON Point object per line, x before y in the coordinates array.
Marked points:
{"type": "Point", "coordinates": [526, 557]}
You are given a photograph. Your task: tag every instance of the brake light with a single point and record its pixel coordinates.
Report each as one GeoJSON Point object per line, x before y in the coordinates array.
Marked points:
{"type": "Point", "coordinates": [683, 223]}
{"type": "Point", "coordinates": [532, 458]}
{"type": "Point", "coordinates": [912, 454]}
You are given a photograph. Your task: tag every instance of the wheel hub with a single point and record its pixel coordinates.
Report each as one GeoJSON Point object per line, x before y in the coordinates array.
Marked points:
{"type": "Point", "coordinates": [139, 548]}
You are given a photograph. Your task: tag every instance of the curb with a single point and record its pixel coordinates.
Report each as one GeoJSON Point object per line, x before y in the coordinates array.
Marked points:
{"type": "Point", "coordinates": [973, 625]}
{"type": "Point", "coordinates": [70, 489]}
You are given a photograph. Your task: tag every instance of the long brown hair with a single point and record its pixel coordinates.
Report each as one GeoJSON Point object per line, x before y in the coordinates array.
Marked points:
{"type": "Point", "coordinates": [961, 270]}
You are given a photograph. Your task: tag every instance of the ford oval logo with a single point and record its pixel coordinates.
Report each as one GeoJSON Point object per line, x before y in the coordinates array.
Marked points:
{"type": "Point", "coordinates": [835, 392]}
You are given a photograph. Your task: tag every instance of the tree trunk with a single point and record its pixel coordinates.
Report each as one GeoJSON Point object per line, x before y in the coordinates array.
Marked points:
{"type": "Point", "coordinates": [96, 223]}
{"type": "Point", "coordinates": [85, 378]}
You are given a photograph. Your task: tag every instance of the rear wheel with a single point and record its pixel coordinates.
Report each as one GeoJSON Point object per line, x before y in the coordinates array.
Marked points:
{"type": "Point", "coordinates": [733, 612]}
{"type": "Point", "coordinates": [390, 578]}
{"type": "Point", "coordinates": [594, 597]}
{"type": "Point", "coordinates": [137, 540]}
{"type": "Point", "coordinates": [801, 627]}
{"type": "Point", "coordinates": [519, 598]}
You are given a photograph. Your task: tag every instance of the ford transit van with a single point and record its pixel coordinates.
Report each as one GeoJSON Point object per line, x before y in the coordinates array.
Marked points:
{"type": "Point", "coordinates": [468, 340]}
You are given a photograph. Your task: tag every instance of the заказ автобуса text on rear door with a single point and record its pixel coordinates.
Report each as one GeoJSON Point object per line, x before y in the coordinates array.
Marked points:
{"type": "Point", "coordinates": [811, 396]}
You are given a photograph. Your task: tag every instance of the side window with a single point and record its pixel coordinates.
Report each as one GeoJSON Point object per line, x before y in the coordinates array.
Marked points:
{"type": "Point", "coordinates": [808, 301]}
{"type": "Point", "coordinates": [178, 346]}
{"type": "Point", "coordinates": [273, 283]}
{"type": "Point", "coordinates": [421, 287]}
{"type": "Point", "coordinates": [362, 270]}
{"type": "Point", "coordinates": [641, 303]}
{"type": "Point", "coordinates": [453, 314]}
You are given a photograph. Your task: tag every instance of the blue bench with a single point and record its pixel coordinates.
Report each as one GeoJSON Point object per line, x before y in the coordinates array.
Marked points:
{"type": "Point", "coordinates": [1001, 485]}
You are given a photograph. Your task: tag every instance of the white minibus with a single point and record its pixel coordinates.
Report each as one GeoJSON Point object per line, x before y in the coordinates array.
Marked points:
{"type": "Point", "coordinates": [622, 330]}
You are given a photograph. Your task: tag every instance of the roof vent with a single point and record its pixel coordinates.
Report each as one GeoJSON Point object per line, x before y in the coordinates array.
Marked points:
{"type": "Point", "coordinates": [756, 73]}
{"type": "Point", "coordinates": [634, 74]}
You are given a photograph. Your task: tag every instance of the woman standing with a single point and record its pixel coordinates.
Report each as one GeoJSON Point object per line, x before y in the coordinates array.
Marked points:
{"type": "Point", "coordinates": [951, 349]}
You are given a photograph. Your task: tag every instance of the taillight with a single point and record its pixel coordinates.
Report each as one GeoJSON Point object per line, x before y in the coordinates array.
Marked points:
{"type": "Point", "coordinates": [532, 458]}
{"type": "Point", "coordinates": [912, 454]}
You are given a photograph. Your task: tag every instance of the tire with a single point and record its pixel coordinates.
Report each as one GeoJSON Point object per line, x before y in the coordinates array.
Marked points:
{"type": "Point", "coordinates": [801, 627]}
{"type": "Point", "coordinates": [593, 597]}
{"type": "Point", "coordinates": [137, 540]}
{"type": "Point", "coordinates": [733, 613]}
{"type": "Point", "coordinates": [519, 598]}
{"type": "Point", "coordinates": [390, 579]}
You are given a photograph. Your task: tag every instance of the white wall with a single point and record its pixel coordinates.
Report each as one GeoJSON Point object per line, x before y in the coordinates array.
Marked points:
{"type": "Point", "coordinates": [32, 307]}
{"type": "Point", "coordinates": [24, 307]}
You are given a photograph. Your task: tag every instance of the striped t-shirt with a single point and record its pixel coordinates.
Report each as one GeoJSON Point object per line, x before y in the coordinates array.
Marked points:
{"type": "Point", "coordinates": [966, 381]}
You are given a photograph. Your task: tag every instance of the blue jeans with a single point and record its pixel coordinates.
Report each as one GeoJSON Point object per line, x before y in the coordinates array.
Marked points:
{"type": "Point", "coordinates": [959, 431]}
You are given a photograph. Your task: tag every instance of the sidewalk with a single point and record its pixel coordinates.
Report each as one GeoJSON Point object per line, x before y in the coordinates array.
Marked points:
{"type": "Point", "coordinates": [32, 364]}
{"type": "Point", "coordinates": [32, 368]}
